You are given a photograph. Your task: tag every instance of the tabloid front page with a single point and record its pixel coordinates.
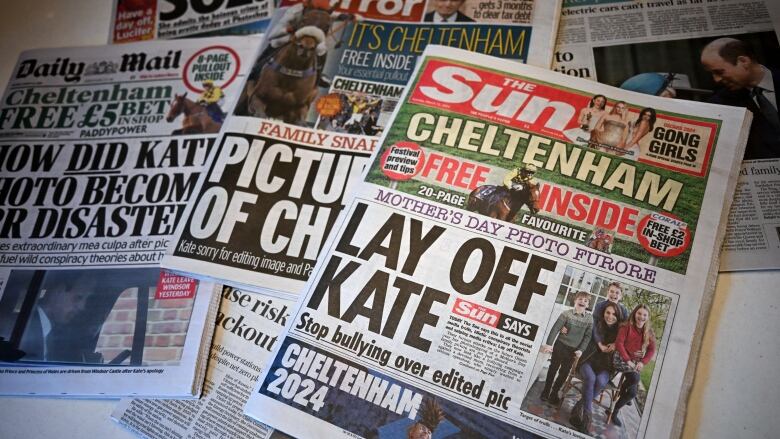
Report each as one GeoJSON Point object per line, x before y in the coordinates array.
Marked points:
{"type": "Point", "coordinates": [269, 199]}
{"type": "Point", "coordinates": [248, 327]}
{"type": "Point", "coordinates": [481, 245]}
{"type": "Point", "coordinates": [100, 151]}
{"type": "Point", "coordinates": [365, 51]}
{"type": "Point", "coordinates": [139, 20]}
{"type": "Point", "coordinates": [684, 49]}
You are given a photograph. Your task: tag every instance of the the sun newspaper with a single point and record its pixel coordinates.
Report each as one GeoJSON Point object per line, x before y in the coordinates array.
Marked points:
{"type": "Point", "coordinates": [707, 51]}
{"type": "Point", "coordinates": [100, 151]}
{"type": "Point", "coordinates": [248, 327]}
{"type": "Point", "coordinates": [460, 289]}
{"type": "Point", "coordinates": [267, 203]}
{"type": "Point", "coordinates": [139, 20]}
{"type": "Point", "coordinates": [364, 53]}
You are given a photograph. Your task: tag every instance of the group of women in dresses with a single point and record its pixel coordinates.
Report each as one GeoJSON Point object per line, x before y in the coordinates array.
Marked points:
{"type": "Point", "coordinates": [611, 130]}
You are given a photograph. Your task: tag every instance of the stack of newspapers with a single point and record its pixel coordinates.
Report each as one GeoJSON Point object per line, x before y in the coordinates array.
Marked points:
{"type": "Point", "coordinates": [378, 219]}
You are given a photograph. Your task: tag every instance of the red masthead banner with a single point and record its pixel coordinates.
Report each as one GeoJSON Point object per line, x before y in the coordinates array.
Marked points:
{"type": "Point", "coordinates": [396, 10]}
{"type": "Point", "coordinates": [523, 104]}
{"type": "Point", "coordinates": [679, 144]}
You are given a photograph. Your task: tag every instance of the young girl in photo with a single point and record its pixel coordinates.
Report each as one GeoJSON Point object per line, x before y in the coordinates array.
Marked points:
{"type": "Point", "coordinates": [635, 343]}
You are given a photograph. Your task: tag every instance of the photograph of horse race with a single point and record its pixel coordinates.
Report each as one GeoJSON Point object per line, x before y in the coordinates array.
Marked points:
{"type": "Point", "coordinates": [354, 113]}
{"type": "Point", "coordinates": [330, 70]}
{"type": "Point", "coordinates": [199, 115]}
{"type": "Point", "coordinates": [288, 75]}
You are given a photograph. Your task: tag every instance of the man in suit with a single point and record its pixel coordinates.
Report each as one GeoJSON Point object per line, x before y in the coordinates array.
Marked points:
{"type": "Point", "coordinates": [446, 11]}
{"type": "Point", "coordinates": [746, 83]}
{"type": "Point", "coordinates": [52, 332]}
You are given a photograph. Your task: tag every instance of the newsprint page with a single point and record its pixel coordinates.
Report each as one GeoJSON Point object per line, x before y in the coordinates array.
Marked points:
{"type": "Point", "coordinates": [139, 20]}
{"type": "Point", "coordinates": [366, 52]}
{"type": "Point", "coordinates": [100, 152]}
{"type": "Point", "coordinates": [463, 284]}
{"type": "Point", "coordinates": [267, 203]}
{"type": "Point", "coordinates": [248, 329]}
{"type": "Point", "coordinates": [725, 52]}
{"type": "Point", "coordinates": [277, 186]}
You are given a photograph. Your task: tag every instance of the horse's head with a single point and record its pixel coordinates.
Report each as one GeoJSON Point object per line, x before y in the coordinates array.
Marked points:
{"type": "Point", "coordinates": [308, 41]}
{"type": "Point", "coordinates": [177, 107]}
{"type": "Point", "coordinates": [305, 47]}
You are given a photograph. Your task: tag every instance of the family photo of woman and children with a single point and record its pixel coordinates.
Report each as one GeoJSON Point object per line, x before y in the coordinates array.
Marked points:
{"type": "Point", "coordinates": [602, 345]}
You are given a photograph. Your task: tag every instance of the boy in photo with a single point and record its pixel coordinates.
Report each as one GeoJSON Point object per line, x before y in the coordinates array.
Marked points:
{"type": "Point", "coordinates": [568, 345]}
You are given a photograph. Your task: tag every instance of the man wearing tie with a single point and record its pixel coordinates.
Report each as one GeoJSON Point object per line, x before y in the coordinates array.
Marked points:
{"type": "Point", "coordinates": [446, 11]}
{"type": "Point", "coordinates": [748, 84]}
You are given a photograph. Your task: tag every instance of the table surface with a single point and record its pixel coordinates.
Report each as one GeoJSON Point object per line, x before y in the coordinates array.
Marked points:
{"type": "Point", "coordinates": [735, 393]}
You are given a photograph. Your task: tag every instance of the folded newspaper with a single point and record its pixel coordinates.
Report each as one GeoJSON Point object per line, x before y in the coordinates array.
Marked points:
{"type": "Point", "coordinates": [723, 52]}
{"type": "Point", "coordinates": [475, 287]}
{"type": "Point", "coordinates": [248, 327]}
{"type": "Point", "coordinates": [139, 20]}
{"type": "Point", "coordinates": [267, 203]}
{"type": "Point", "coordinates": [100, 150]}
{"type": "Point", "coordinates": [277, 186]}
{"type": "Point", "coordinates": [365, 52]}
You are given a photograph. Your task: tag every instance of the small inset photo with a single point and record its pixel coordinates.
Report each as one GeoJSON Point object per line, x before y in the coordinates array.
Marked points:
{"type": "Point", "coordinates": [348, 112]}
{"type": "Point", "coordinates": [740, 70]}
{"type": "Point", "coordinates": [595, 367]}
{"type": "Point", "coordinates": [127, 316]}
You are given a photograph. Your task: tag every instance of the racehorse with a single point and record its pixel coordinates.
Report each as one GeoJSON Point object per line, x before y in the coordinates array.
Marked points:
{"type": "Point", "coordinates": [196, 118]}
{"type": "Point", "coordinates": [284, 81]}
{"type": "Point", "coordinates": [501, 203]}
{"type": "Point", "coordinates": [287, 83]}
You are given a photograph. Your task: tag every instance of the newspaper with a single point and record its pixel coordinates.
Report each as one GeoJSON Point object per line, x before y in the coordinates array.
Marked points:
{"type": "Point", "coordinates": [100, 151]}
{"type": "Point", "coordinates": [248, 326]}
{"type": "Point", "coordinates": [139, 20]}
{"type": "Point", "coordinates": [361, 54]}
{"type": "Point", "coordinates": [428, 312]}
{"type": "Point", "coordinates": [117, 332]}
{"type": "Point", "coordinates": [675, 49]}
{"type": "Point", "coordinates": [774, 12]}
{"type": "Point", "coordinates": [269, 199]}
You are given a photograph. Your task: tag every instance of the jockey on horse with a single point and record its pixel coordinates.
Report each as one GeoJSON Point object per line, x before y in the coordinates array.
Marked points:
{"type": "Point", "coordinates": [522, 179]}
{"type": "Point", "coordinates": [503, 202]}
{"type": "Point", "coordinates": [210, 98]}
{"type": "Point", "coordinates": [523, 175]}
{"type": "Point", "coordinates": [296, 17]}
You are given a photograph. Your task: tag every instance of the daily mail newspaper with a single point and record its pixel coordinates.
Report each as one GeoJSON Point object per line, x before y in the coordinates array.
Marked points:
{"type": "Point", "coordinates": [248, 327]}
{"type": "Point", "coordinates": [139, 20]}
{"type": "Point", "coordinates": [722, 52]}
{"type": "Point", "coordinates": [361, 54]}
{"type": "Point", "coordinates": [267, 203]}
{"type": "Point", "coordinates": [460, 290]}
{"type": "Point", "coordinates": [100, 151]}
